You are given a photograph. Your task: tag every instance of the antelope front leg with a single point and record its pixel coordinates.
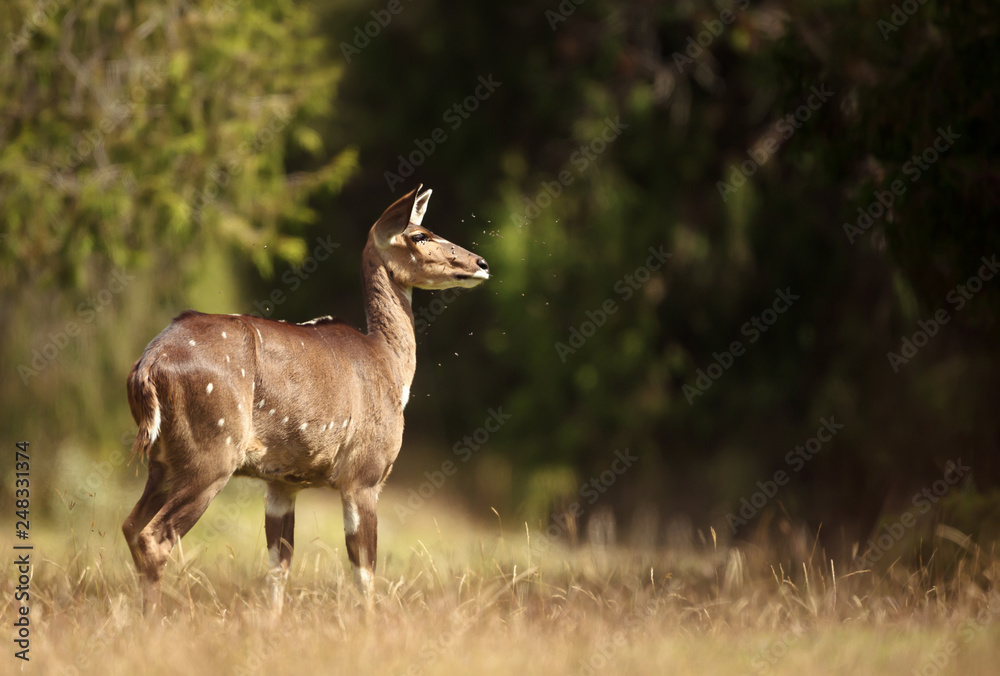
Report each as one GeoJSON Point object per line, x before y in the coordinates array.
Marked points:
{"type": "Point", "coordinates": [279, 529]}
{"type": "Point", "coordinates": [361, 529]}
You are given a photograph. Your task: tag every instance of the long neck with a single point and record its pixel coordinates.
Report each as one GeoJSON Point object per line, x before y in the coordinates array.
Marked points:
{"type": "Point", "coordinates": [390, 318]}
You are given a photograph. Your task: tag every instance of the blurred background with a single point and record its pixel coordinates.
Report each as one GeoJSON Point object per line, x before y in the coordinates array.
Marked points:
{"type": "Point", "coordinates": [742, 253]}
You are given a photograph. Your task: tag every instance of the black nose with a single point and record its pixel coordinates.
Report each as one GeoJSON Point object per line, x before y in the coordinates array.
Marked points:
{"type": "Point", "coordinates": [481, 262]}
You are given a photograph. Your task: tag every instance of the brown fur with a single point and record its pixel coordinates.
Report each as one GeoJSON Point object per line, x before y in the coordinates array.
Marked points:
{"type": "Point", "coordinates": [297, 405]}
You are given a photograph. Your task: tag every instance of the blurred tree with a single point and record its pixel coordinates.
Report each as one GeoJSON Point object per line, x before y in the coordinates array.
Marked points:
{"type": "Point", "coordinates": [740, 138]}
{"type": "Point", "coordinates": [651, 183]}
{"type": "Point", "coordinates": [142, 157]}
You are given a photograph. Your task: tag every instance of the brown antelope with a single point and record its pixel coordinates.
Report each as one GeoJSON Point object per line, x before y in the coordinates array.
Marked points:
{"type": "Point", "coordinates": [297, 405]}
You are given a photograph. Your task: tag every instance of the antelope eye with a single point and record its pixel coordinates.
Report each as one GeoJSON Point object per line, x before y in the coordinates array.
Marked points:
{"type": "Point", "coordinates": [418, 237]}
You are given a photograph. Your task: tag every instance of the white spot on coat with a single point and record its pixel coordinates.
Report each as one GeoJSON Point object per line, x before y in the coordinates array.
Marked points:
{"type": "Point", "coordinates": [229, 440]}
{"type": "Point", "coordinates": [406, 395]}
{"type": "Point", "coordinates": [284, 420]}
{"type": "Point", "coordinates": [244, 372]}
{"type": "Point", "coordinates": [192, 343]}
{"type": "Point", "coordinates": [261, 404]}
{"type": "Point", "coordinates": [222, 421]}
{"type": "Point", "coordinates": [227, 358]}
{"type": "Point", "coordinates": [303, 426]}
{"type": "Point", "coordinates": [271, 412]}
{"type": "Point", "coordinates": [208, 390]}
{"type": "Point", "coordinates": [223, 334]}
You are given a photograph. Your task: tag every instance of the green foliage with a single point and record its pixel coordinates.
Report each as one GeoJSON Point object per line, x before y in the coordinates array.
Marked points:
{"type": "Point", "coordinates": [619, 130]}
{"type": "Point", "coordinates": [139, 130]}
{"type": "Point", "coordinates": [144, 150]}
{"type": "Point", "coordinates": [691, 126]}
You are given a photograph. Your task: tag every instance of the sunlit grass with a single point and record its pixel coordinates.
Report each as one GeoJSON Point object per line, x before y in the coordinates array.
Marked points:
{"type": "Point", "coordinates": [458, 595]}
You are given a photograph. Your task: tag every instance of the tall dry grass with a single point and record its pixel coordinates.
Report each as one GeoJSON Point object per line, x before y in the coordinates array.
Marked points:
{"type": "Point", "coordinates": [461, 596]}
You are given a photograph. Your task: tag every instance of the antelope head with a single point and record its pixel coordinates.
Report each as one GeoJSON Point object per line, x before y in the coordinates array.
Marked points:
{"type": "Point", "coordinates": [416, 257]}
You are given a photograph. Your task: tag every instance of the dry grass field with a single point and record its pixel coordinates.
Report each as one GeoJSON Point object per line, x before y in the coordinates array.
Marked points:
{"type": "Point", "coordinates": [455, 596]}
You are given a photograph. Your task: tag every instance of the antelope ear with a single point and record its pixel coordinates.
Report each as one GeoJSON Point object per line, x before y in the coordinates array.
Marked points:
{"type": "Point", "coordinates": [409, 208]}
{"type": "Point", "coordinates": [420, 205]}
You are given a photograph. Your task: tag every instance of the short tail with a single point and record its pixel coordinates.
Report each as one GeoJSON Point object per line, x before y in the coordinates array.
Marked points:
{"type": "Point", "coordinates": [145, 407]}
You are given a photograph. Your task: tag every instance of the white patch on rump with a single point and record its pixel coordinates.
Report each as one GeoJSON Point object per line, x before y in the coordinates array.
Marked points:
{"type": "Point", "coordinates": [406, 395]}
